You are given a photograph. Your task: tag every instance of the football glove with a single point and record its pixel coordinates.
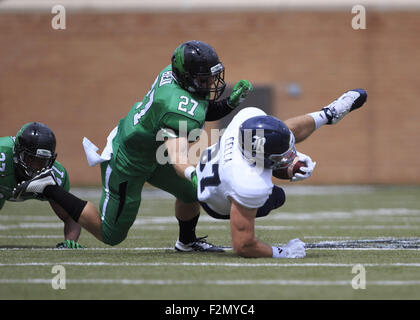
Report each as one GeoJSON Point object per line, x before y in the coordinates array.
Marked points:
{"type": "Point", "coordinates": [239, 93]}
{"type": "Point", "coordinates": [191, 174]}
{"type": "Point", "coordinates": [68, 244]}
{"type": "Point", "coordinates": [310, 166]}
{"type": "Point", "coordinates": [194, 179]}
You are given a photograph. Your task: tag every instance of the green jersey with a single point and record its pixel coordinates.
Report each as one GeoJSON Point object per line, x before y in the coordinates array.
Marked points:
{"type": "Point", "coordinates": [8, 179]}
{"type": "Point", "coordinates": [166, 106]}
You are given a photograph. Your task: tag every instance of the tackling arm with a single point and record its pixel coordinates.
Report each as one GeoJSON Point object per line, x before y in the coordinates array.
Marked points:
{"type": "Point", "coordinates": [244, 242]}
{"type": "Point", "coordinates": [218, 109]}
{"type": "Point", "coordinates": [178, 153]}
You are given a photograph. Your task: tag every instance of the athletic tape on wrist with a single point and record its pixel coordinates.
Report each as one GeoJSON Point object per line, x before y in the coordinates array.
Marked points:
{"type": "Point", "coordinates": [276, 252]}
{"type": "Point", "coordinates": [188, 172]}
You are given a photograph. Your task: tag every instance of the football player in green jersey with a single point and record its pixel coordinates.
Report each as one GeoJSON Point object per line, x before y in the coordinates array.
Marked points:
{"type": "Point", "coordinates": [21, 158]}
{"type": "Point", "coordinates": [185, 94]}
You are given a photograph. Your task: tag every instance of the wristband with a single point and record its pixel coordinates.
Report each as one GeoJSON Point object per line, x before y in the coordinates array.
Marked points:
{"type": "Point", "coordinates": [188, 172]}
{"type": "Point", "coordinates": [277, 252]}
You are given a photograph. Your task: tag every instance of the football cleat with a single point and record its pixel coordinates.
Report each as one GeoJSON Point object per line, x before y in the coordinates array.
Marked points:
{"type": "Point", "coordinates": [200, 244]}
{"type": "Point", "coordinates": [37, 184]}
{"type": "Point", "coordinates": [349, 101]}
{"type": "Point", "coordinates": [294, 249]}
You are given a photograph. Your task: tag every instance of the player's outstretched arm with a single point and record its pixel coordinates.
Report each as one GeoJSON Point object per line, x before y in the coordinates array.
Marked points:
{"type": "Point", "coordinates": [244, 242]}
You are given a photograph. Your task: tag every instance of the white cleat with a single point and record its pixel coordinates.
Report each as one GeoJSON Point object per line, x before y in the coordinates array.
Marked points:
{"type": "Point", "coordinates": [347, 102]}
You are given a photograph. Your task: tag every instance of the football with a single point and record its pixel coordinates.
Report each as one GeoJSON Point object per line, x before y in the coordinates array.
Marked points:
{"type": "Point", "coordinates": [289, 172]}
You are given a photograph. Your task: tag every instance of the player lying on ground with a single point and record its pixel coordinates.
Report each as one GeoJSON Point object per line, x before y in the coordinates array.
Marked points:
{"type": "Point", "coordinates": [229, 198]}
{"type": "Point", "coordinates": [234, 176]}
{"type": "Point", "coordinates": [186, 92]}
{"type": "Point", "coordinates": [21, 158]}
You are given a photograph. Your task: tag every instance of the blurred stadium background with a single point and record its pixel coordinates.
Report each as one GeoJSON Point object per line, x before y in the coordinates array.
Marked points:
{"type": "Point", "coordinates": [300, 55]}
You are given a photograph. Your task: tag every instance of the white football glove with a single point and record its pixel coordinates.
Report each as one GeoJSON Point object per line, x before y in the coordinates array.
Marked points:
{"type": "Point", "coordinates": [310, 166]}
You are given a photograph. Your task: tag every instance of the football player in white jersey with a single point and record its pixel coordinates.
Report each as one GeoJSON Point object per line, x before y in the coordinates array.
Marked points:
{"type": "Point", "coordinates": [235, 175]}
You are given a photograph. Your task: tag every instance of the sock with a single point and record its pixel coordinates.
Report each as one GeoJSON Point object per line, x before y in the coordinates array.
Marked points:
{"type": "Point", "coordinates": [320, 118]}
{"type": "Point", "coordinates": [187, 230]}
{"type": "Point", "coordinates": [70, 203]}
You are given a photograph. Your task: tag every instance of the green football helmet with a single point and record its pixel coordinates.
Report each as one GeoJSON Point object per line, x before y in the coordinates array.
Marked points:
{"type": "Point", "coordinates": [197, 69]}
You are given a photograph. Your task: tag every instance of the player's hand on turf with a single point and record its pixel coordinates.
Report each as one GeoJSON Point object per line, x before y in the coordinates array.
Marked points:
{"type": "Point", "coordinates": [68, 244]}
{"type": "Point", "coordinates": [239, 93]}
{"type": "Point", "coordinates": [308, 169]}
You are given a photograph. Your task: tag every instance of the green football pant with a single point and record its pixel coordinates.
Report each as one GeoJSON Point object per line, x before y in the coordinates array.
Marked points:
{"type": "Point", "coordinates": [121, 197]}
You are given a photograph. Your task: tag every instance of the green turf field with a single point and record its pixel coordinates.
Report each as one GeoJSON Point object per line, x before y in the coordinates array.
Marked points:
{"type": "Point", "coordinates": [376, 227]}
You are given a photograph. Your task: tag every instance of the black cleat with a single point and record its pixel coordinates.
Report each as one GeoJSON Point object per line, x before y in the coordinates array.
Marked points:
{"type": "Point", "coordinates": [198, 245]}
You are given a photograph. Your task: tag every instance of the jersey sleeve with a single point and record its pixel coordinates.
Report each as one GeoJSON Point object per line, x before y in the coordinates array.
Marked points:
{"type": "Point", "coordinates": [175, 125]}
{"type": "Point", "coordinates": [61, 175]}
{"type": "Point", "coordinates": [251, 198]}
{"type": "Point", "coordinates": [249, 188]}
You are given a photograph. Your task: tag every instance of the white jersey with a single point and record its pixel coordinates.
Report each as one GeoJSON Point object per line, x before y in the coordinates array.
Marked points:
{"type": "Point", "coordinates": [223, 172]}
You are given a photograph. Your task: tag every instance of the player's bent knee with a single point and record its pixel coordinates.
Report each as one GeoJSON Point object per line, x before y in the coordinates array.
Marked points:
{"type": "Point", "coordinates": [113, 238]}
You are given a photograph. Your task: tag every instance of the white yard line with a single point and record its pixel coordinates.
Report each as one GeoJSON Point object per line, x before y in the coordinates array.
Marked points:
{"type": "Point", "coordinates": [31, 237]}
{"type": "Point", "coordinates": [213, 282]}
{"type": "Point", "coordinates": [171, 248]}
{"type": "Point", "coordinates": [206, 264]}
{"type": "Point", "coordinates": [146, 225]}
{"type": "Point", "coordinates": [150, 222]}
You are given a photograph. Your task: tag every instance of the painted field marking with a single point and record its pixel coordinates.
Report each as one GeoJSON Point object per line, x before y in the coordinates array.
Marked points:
{"type": "Point", "coordinates": [59, 225]}
{"type": "Point", "coordinates": [213, 282]}
{"type": "Point", "coordinates": [31, 236]}
{"type": "Point", "coordinates": [275, 215]}
{"type": "Point", "coordinates": [172, 249]}
{"type": "Point", "coordinates": [206, 264]}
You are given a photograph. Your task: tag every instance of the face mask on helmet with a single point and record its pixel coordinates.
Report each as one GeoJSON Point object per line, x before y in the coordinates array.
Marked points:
{"type": "Point", "coordinates": [285, 159]}
{"type": "Point", "coordinates": [33, 163]}
{"type": "Point", "coordinates": [212, 84]}
{"type": "Point", "coordinates": [34, 149]}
